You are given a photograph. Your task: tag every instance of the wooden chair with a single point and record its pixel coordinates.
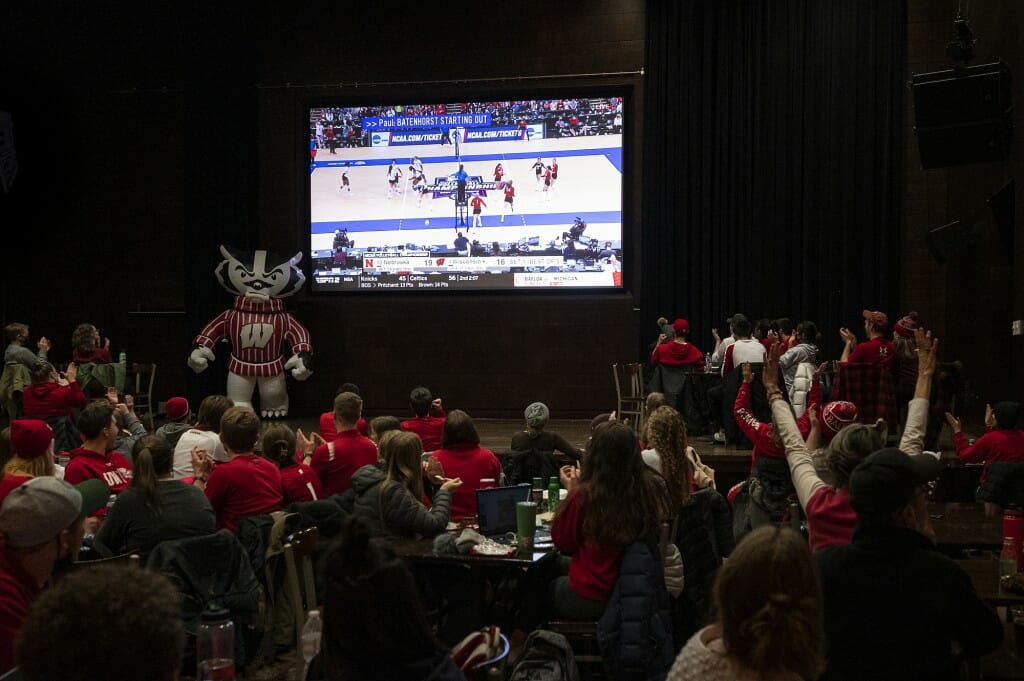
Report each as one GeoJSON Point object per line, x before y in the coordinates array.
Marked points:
{"type": "Point", "coordinates": [300, 584]}
{"type": "Point", "coordinates": [631, 401]}
{"type": "Point", "coordinates": [144, 373]}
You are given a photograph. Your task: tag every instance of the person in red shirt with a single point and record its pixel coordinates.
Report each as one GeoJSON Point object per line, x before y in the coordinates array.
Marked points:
{"type": "Point", "coordinates": [499, 173]}
{"type": "Point", "coordinates": [1003, 440]}
{"type": "Point", "coordinates": [510, 197]}
{"type": "Point", "coordinates": [42, 527]}
{"type": "Point", "coordinates": [96, 457]}
{"type": "Point", "coordinates": [337, 460]}
{"type": "Point", "coordinates": [477, 203]}
{"type": "Point", "coordinates": [299, 482]}
{"type": "Point", "coordinates": [613, 500]}
{"type": "Point", "coordinates": [327, 430]}
{"type": "Point", "coordinates": [678, 352]}
{"type": "Point", "coordinates": [461, 456]}
{"type": "Point", "coordinates": [428, 419]}
{"type": "Point", "coordinates": [247, 484]}
{"type": "Point", "coordinates": [50, 395]}
{"type": "Point", "coordinates": [86, 343]}
{"type": "Point", "coordinates": [877, 349]}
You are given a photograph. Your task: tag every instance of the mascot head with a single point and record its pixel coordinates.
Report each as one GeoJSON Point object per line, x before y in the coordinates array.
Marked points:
{"type": "Point", "coordinates": [259, 275]}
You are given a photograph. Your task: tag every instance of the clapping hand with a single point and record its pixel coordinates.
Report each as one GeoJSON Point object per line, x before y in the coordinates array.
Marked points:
{"type": "Point", "coordinates": [202, 464]}
{"type": "Point", "coordinates": [847, 336]}
{"type": "Point", "coordinates": [990, 417]}
{"type": "Point", "coordinates": [308, 444]}
{"type": "Point", "coordinates": [953, 422]}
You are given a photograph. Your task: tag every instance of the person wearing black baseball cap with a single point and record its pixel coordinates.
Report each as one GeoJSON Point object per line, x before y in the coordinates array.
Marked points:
{"type": "Point", "coordinates": [895, 606]}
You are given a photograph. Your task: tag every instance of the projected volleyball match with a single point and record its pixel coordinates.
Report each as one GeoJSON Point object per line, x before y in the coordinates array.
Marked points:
{"type": "Point", "coordinates": [472, 195]}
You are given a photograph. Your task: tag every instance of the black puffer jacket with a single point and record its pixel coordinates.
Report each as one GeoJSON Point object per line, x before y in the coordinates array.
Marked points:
{"type": "Point", "coordinates": [391, 511]}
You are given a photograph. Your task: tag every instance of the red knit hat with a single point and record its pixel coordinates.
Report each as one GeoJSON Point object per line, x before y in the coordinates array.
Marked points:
{"type": "Point", "coordinates": [906, 326]}
{"type": "Point", "coordinates": [835, 416]}
{"type": "Point", "coordinates": [30, 438]}
{"type": "Point", "coordinates": [176, 408]}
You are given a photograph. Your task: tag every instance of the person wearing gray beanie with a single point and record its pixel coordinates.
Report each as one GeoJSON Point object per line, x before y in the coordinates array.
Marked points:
{"type": "Point", "coordinates": [536, 438]}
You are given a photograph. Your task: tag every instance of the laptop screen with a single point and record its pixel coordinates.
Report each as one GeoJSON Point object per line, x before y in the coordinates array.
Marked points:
{"type": "Point", "coordinates": [496, 507]}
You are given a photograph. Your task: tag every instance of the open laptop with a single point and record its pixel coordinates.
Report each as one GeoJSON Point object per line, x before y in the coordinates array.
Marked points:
{"type": "Point", "coordinates": [496, 508]}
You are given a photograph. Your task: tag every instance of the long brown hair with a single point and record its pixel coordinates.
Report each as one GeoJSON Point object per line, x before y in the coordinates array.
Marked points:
{"type": "Point", "coordinates": [152, 458]}
{"type": "Point", "coordinates": [401, 452]}
{"type": "Point", "coordinates": [770, 606]}
{"type": "Point", "coordinates": [623, 499]}
{"type": "Point", "coordinates": [278, 445]}
{"type": "Point", "coordinates": [666, 433]}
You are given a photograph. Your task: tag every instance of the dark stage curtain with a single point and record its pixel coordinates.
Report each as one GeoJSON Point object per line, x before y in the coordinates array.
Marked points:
{"type": "Point", "coordinates": [772, 166]}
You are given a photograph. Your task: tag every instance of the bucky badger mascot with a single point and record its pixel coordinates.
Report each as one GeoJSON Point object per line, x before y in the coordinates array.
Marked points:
{"type": "Point", "coordinates": [257, 325]}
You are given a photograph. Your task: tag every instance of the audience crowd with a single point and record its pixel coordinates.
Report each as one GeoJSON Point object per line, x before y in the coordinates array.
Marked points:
{"type": "Point", "coordinates": [89, 500]}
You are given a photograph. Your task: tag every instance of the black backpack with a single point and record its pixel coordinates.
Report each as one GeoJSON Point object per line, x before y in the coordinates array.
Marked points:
{"type": "Point", "coordinates": [547, 656]}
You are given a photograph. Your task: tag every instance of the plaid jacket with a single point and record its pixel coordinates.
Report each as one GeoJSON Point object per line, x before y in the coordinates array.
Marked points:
{"type": "Point", "coordinates": [870, 387]}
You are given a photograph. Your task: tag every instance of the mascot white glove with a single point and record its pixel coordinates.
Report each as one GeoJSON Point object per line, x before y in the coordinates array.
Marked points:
{"type": "Point", "coordinates": [298, 368]}
{"type": "Point", "coordinates": [201, 358]}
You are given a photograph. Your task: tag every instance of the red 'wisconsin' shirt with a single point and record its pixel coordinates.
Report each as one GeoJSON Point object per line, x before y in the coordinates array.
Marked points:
{"type": "Point", "coordinates": [112, 468]}
{"type": "Point", "coordinates": [300, 483]}
{"type": "Point", "coordinates": [428, 428]}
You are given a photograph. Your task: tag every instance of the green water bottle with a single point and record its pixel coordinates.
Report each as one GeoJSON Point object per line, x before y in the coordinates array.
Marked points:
{"type": "Point", "coordinates": [553, 494]}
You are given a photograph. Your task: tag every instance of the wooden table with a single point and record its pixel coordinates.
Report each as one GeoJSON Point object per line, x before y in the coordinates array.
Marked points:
{"type": "Point", "coordinates": [961, 527]}
{"type": "Point", "coordinates": [984, 574]}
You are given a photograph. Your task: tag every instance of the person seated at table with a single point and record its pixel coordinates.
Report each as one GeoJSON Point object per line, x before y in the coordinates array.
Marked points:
{"type": "Point", "coordinates": [614, 499]}
{"type": "Point", "coordinates": [428, 417]}
{"type": "Point", "coordinates": [375, 626]}
{"type": "Point", "coordinates": [390, 500]}
{"type": "Point", "coordinates": [327, 429]}
{"type": "Point", "coordinates": [744, 349]}
{"type": "Point", "coordinates": [462, 457]}
{"type": "Point", "coordinates": [876, 350]}
{"type": "Point", "coordinates": [895, 606]}
{"type": "Point", "coordinates": [137, 611]}
{"type": "Point", "coordinates": [155, 506]}
{"type": "Point", "coordinates": [678, 351]}
{"type": "Point", "coordinates": [830, 517]}
{"type": "Point", "coordinates": [1002, 441]}
{"type": "Point", "coordinates": [668, 453]}
{"type": "Point", "coordinates": [281, 446]}
{"type": "Point", "coordinates": [769, 605]}
{"type": "Point", "coordinates": [535, 437]}
{"type": "Point", "coordinates": [246, 484]}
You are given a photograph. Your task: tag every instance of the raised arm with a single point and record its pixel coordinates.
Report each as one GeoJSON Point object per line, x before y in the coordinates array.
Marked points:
{"type": "Point", "coordinates": [912, 441]}
{"type": "Point", "coordinates": [801, 466]}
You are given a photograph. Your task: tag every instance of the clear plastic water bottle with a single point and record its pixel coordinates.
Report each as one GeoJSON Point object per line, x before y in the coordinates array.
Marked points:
{"type": "Point", "coordinates": [311, 633]}
{"type": "Point", "coordinates": [215, 646]}
{"type": "Point", "coordinates": [1008, 558]}
{"type": "Point", "coordinates": [123, 358]}
{"type": "Point", "coordinates": [707, 362]}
